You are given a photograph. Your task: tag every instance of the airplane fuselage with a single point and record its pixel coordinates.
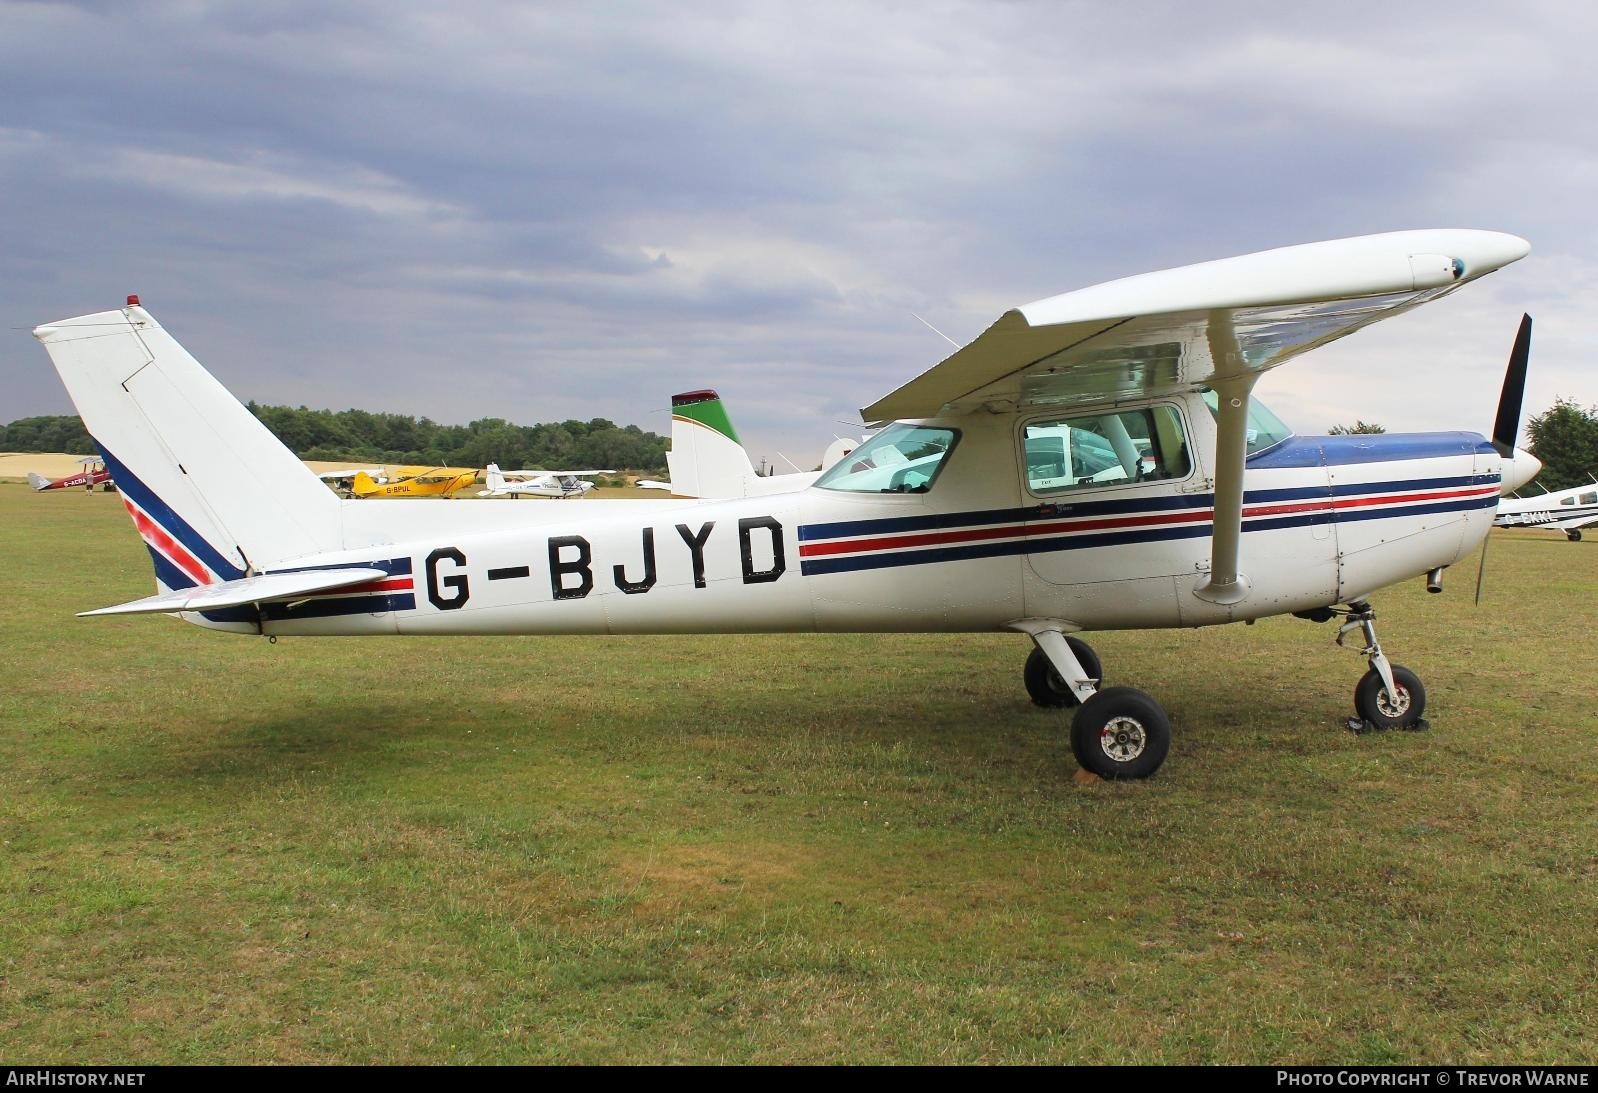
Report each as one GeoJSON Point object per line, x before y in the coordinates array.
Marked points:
{"type": "Point", "coordinates": [83, 478]}
{"type": "Point", "coordinates": [1326, 520]}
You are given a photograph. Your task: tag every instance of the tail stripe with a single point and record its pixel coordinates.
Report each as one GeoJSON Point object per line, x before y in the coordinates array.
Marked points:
{"type": "Point", "coordinates": [168, 575]}
{"type": "Point", "coordinates": [160, 542]}
{"type": "Point", "coordinates": [177, 534]}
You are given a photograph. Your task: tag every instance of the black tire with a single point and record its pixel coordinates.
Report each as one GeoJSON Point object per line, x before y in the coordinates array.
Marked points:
{"type": "Point", "coordinates": [1374, 704]}
{"type": "Point", "coordinates": [1121, 733]}
{"type": "Point", "coordinates": [1574, 535]}
{"type": "Point", "coordinates": [1044, 684]}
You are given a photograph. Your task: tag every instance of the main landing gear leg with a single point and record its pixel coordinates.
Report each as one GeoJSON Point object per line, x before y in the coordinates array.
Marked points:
{"type": "Point", "coordinates": [1117, 732]}
{"type": "Point", "coordinates": [1056, 658]}
{"type": "Point", "coordinates": [1388, 696]}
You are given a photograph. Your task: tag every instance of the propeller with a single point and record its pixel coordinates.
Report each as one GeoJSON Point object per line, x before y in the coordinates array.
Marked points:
{"type": "Point", "coordinates": [1506, 429]}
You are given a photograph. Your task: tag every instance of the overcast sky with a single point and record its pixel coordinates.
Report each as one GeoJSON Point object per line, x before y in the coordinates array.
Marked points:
{"type": "Point", "coordinates": [540, 212]}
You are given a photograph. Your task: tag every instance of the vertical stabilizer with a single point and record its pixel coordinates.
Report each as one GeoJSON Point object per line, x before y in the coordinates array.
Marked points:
{"type": "Point", "coordinates": [211, 490]}
{"type": "Point", "coordinates": [706, 457]}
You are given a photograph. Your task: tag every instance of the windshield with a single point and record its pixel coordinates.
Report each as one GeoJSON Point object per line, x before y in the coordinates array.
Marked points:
{"type": "Point", "coordinates": [1264, 428]}
{"type": "Point", "coordinates": [900, 459]}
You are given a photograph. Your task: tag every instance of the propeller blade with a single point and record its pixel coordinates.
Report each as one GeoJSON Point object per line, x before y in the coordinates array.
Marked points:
{"type": "Point", "coordinates": [1481, 570]}
{"type": "Point", "coordinates": [1507, 428]}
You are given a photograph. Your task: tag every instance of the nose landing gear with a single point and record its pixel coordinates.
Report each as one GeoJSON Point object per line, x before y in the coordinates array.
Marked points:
{"type": "Point", "coordinates": [1388, 696]}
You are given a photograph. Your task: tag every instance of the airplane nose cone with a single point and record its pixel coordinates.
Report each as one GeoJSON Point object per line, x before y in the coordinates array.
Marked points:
{"type": "Point", "coordinates": [1519, 468]}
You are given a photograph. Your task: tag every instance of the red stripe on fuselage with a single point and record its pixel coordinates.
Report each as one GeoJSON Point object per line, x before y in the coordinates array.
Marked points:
{"type": "Point", "coordinates": [1008, 531]}
{"type": "Point", "coordinates": [1401, 498]}
{"type": "Point", "coordinates": [387, 584]}
{"type": "Point", "coordinates": [1027, 531]}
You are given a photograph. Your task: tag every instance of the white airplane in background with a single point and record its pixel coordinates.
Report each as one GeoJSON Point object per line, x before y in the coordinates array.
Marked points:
{"type": "Point", "coordinates": [1563, 510]}
{"type": "Point", "coordinates": [707, 460]}
{"type": "Point", "coordinates": [537, 483]}
{"type": "Point", "coordinates": [1213, 513]}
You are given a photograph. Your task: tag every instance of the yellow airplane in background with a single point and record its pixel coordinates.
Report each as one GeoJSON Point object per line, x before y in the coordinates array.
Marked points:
{"type": "Point", "coordinates": [415, 482]}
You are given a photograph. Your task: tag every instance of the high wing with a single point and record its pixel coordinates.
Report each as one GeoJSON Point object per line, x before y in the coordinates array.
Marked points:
{"type": "Point", "coordinates": [1218, 324]}
{"type": "Point", "coordinates": [261, 588]}
{"type": "Point", "coordinates": [1195, 326]}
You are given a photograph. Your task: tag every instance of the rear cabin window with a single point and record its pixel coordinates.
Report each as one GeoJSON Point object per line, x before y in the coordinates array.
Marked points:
{"type": "Point", "coordinates": [1093, 450]}
{"type": "Point", "coordinates": [900, 459]}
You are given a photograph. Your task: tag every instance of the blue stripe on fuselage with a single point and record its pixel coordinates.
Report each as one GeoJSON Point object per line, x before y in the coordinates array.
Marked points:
{"type": "Point", "coordinates": [394, 567]}
{"type": "Point", "coordinates": [885, 559]}
{"type": "Point", "coordinates": [354, 605]}
{"type": "Point", "coordinates": [1061, 510]}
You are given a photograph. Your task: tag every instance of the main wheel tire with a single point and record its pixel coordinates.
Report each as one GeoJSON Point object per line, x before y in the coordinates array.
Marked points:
{"type": "Point", "coordinates": [1386, 711]}
{"type": "Point", "coordinates": [1044, 684]}
{"type": "Point", "coordinates": [1574, 535]}
{"type": "Point", "coordinates": [1121, 733]}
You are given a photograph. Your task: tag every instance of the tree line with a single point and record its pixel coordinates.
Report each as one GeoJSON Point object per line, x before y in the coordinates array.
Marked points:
{"type": "Point", "coordinates": [362, 436]}
{"type": "Point", "coordinates": [1564, 437]}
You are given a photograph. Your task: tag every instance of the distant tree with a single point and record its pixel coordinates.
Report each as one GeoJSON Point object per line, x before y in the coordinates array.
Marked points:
{"type": "Point", "coordinates": [1358, 427]}
{"type": "Point", "coordinates": [1565, 438]}
{"type": "Point", "coordinates": [57, 433]}
{"type": "Point", "coordinates": [401, 439]}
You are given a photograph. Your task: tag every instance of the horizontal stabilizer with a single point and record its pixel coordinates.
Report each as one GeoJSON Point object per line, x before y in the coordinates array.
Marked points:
{"type": "Point", "coordinates": [261, 588]}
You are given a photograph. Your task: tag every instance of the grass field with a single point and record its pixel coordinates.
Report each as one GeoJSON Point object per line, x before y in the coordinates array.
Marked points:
{"type": "Point", "coordinates": [784, 849]}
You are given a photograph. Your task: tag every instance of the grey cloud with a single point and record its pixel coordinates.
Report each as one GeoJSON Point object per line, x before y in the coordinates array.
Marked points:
{"type": "Point", "coordinates": [590, 208]}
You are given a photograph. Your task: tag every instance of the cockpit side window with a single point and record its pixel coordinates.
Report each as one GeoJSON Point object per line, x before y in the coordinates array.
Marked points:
{"type": "Point", "coordinates": [1265, 429]}
{"type": "Point", "coordinates": [1091, 450]}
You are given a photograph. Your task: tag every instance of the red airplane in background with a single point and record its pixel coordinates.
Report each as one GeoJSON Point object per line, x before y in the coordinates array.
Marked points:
{"type": "Point", "coordinates": [92, 475]}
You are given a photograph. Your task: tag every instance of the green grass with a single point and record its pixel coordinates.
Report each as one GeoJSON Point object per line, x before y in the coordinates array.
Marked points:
{"type": "Point", "coordinates": [784, 849]}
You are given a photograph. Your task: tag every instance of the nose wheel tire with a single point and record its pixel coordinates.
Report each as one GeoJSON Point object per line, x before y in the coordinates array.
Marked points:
{"type": "Point", "coordinates": [1388, 711]}
{"type": "Point", "coordinates": [1044, 684]}
{"type": "Point", "coordinates": [1120, 733]}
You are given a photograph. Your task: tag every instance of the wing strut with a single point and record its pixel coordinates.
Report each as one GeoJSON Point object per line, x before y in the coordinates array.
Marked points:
{"type": "Point", "coordinates": [1226, 584]}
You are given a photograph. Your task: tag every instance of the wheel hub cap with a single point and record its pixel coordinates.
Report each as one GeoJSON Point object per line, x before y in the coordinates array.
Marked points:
{"type": "Point", "coordinates": [1393, 705]}
{"type": "Point", "coordinates": [1123, 739]}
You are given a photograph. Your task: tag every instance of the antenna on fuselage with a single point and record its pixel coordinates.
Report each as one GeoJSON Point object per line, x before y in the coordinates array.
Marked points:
{"type": "Point", "coordinates": [935, 330]}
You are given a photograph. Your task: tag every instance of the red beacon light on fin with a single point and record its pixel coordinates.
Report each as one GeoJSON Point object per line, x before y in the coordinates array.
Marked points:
{"type": "Point", "coordinates": [133, 301]}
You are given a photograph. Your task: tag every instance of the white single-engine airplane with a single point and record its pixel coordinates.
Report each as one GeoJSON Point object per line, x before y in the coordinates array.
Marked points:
{"type": "Point", "coordinates": [537, 483]}
{"type": "Point", "coordinates": [1563, 510]}
{"type": "Point", "coordinates": [1093, 461]}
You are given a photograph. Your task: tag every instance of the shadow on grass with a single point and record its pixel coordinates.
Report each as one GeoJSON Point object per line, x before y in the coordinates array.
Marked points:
{"type": "Point", "coordinates": [329, 738]}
